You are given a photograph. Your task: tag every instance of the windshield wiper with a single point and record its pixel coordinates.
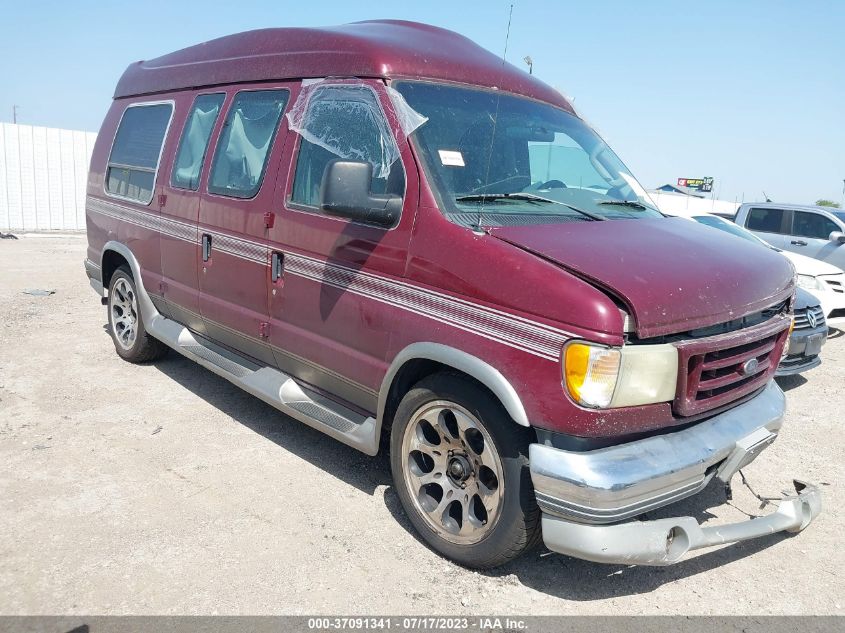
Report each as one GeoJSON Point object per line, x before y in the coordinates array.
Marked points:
{"type": "Point", "coordinates": [625, 203]}
{"type": "Point", "coordinates": [488, 197]}
{"type": "Point", "coordinates": [529, 197]}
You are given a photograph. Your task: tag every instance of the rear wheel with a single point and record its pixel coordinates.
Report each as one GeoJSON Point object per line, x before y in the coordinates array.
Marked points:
{"type": "Point", "coordinates": [460, 467]}
{"type": "Point", "coordinates": [126, 324]}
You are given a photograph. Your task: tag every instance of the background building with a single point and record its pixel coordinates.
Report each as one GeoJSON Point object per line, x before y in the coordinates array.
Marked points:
{"type": "Point", "coordinates": [43, 176]}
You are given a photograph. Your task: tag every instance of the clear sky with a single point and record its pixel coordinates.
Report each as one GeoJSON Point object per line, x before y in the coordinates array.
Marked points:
{"type": "Point", "coordinates": [751, 93]}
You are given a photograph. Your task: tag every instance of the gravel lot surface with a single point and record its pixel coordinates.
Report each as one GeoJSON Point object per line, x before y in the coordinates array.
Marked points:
{"type": "Point", "coordinates": [163, 489]}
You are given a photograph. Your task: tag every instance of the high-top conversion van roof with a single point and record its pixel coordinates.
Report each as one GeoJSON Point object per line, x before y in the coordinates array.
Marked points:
{"type": "Point", "coordinates": [391, 235]}
{"type": "Point", "coordinates": [378, 49]}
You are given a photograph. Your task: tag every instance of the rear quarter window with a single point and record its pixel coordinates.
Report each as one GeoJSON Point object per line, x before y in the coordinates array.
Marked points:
{"type": "Point", "coordinates": [136, 151]}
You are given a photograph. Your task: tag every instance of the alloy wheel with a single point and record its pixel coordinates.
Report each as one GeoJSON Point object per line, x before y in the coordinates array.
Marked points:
{"type": "Point", "coordinates": [123, 305]}
{"type": "Point", "coordinates": [453, 472]}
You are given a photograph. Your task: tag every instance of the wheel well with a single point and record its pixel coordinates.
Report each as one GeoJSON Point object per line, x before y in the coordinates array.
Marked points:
{"type": "Point", "coordinates": [112, 260]}
{"type": "Point", "coordinates": [410, 374]}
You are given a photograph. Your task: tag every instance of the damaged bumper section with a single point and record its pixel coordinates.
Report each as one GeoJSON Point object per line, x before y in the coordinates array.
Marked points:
{"type": "Point", "coordinates": [587, 498]}
{"type": "Point", "coordinates": [666, 541]}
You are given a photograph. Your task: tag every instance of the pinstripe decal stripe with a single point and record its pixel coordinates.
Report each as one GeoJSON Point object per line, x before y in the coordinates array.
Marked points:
{"type": "Point", "coordinates": [470, 318]}
{"type": "Point", "coordinates": [517, 332]}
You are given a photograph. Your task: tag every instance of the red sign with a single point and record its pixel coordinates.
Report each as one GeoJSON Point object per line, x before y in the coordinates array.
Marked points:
{"type": "Point", "coordinates": [700, 184]}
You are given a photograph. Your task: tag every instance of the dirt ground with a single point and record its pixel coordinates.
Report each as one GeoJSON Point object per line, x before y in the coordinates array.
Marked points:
{"type": "Point", "coordinates": [163, 489]}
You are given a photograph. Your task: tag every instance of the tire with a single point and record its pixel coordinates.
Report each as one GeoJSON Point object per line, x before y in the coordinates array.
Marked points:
{"type": "Point", "coordinates": [126, 325]}
{"type": "Point", "coordinates": [499, 517]}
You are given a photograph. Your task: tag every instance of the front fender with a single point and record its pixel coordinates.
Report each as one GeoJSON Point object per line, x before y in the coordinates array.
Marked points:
{"type": "Point", "coordinates": [483, 372]}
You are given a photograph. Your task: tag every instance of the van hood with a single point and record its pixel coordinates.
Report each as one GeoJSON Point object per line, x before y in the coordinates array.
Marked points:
{"type": "Point", "coordinates": [674, 275]}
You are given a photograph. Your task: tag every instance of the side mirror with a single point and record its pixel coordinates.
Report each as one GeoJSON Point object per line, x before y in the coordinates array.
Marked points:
{"type": "Point", "coordinates": [837, 236]}
{"type": "Point", "coordinates": [346, 194]}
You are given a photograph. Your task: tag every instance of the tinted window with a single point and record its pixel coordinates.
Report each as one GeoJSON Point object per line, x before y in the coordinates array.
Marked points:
{"type": "Point", "coordinates": [194, 142]}
{"type": "Point", "coordinates": [765, 220]}
{"type": "Point", "coordinates": [807, 224]}
{"type": "Point", "coordinates": [343, 122]}
{"type": "Point", "coordinates": [136, 150]}
{"type": "Point", "coordinates": [241, 155]}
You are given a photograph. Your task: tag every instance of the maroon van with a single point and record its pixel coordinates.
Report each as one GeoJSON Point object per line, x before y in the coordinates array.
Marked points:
{"type": "Point", "coordinates": [388, 234]}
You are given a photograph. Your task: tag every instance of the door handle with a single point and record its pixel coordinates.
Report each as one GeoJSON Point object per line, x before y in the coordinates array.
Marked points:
{"type": "Point", "coordinates": [277, 266]}
{"type": "Point", "coordinates": [206, 247]}
{"type": "Point", "coordinates": [798, 242]}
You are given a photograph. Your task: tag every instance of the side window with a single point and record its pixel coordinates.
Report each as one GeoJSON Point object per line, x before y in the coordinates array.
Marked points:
{"type": "Point", "coordinates": [765, 220]}
{"type": "Point", "coordinates": [807, 224]}
{"type": "Point", "coordinates": [135, 153]}
{"type": "Point", "coordinates": [240, 158]}
{"type": "Point", "coordinates": [194, 142]}
{"type": "Point", "coordinates": [344, 122]}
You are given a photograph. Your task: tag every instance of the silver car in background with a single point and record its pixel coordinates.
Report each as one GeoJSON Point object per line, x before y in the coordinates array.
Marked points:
{"type": "Point", "coordinates": [817, 232]}
{"type": "Point", "coordinates": [809, 333]}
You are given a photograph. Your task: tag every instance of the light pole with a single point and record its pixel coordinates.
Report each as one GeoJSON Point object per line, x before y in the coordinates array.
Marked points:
{"type": "Point", "coordinates": [14, 114]}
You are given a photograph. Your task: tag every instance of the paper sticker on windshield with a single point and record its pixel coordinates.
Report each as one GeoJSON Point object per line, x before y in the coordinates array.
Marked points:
{"type": "Point", "coordinates": [451, 158]}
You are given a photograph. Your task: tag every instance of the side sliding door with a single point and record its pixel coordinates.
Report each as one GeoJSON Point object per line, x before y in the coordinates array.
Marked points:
{"type": "Point", "coordinates": [234, 212]}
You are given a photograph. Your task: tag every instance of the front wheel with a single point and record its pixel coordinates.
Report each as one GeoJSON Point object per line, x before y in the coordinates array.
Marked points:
{"type": "Point", "coordinates": [460, 468]}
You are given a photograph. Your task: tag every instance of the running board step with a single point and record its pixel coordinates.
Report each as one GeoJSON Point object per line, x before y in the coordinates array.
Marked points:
{"type": "Point", "coordinates": [225, 363]}
{"type": "Point", "coordinates": [272, 386]}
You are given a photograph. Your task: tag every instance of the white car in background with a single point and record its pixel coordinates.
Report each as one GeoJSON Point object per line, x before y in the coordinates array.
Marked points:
{"type": "Point", "coordinates": [825, 281]}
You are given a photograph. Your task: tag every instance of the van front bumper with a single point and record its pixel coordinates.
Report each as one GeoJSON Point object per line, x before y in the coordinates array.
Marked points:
{"type": "Point", "coordinates": [581, 492]}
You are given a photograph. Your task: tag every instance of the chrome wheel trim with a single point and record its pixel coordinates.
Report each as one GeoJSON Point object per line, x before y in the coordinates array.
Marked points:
{"type": "Point", "coordinates": [123, 310]}
{"type": "Point", "coordinates": [452, 472]}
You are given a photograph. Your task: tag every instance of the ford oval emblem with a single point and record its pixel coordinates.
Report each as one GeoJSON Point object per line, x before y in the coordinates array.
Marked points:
{"type": "Point", "coordinates": [749, 366]}
{"type": "Point", "coordinates": [811, 318]}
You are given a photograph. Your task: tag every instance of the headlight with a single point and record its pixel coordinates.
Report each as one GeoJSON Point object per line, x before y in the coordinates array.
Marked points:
{"type": "Point", "coordinates": [808, 282]}
{"type": "Point", "coordinates": [590, 372]}
{"type": "Point", "coordinates": [609, 377]}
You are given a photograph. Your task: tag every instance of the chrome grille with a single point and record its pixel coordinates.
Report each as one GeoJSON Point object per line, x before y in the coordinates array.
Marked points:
{"type": "Point", "coordinates": [804, 318]}
{"type": "Point", "coordinates": [717, 370]}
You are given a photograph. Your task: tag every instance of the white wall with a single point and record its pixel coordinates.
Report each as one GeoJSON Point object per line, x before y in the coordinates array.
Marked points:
{"type": "Point", "coordinates": [671, 203]}
{"type": "Point", "coordinates": [43, 176]}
